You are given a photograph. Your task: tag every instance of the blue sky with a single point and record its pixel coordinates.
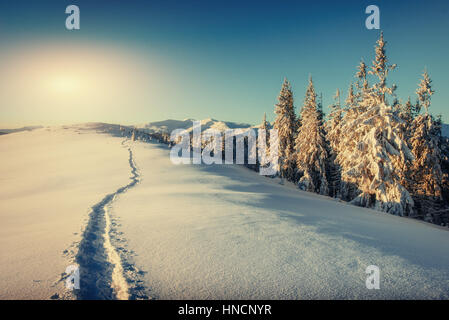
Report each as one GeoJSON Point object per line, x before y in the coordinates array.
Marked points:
{"type": "Point", "coordinates": [219, 59]}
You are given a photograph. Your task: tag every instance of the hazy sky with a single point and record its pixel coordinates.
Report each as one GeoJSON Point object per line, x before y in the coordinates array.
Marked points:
{"type": "Point", "coordinates": [140, 61]}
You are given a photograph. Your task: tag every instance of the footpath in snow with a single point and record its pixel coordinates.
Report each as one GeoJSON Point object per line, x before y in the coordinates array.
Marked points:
{"type": "Point", "coordinates": [50, 179]}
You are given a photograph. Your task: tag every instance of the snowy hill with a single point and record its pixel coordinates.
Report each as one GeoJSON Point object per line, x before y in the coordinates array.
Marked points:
{"type": "Point", "coordinates": [170, 125]}
{"type": "Point", "coordinates": [141, 227]}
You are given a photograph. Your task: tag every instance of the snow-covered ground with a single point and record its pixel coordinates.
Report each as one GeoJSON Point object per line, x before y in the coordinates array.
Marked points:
{"type": "Point", "coordinates": [49, 180]}
{"type": "Point", "coordinates": [191, 231]}
{"type": "Point", "coordinates": [225, 232]}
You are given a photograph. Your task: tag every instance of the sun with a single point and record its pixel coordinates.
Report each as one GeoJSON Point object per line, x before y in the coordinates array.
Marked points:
{"type": "Point", "coordinates": [76, 82]}
{"type": "Point", "coordinates": [65, 84]}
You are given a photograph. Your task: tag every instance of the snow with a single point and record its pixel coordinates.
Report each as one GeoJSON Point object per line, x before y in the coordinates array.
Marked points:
{"type": "Point", "coordinates": [50, 179]}
{"type": "Point", "coordinates": [194, 231]}
{"type": "Point", "coordinates": [224, 232]}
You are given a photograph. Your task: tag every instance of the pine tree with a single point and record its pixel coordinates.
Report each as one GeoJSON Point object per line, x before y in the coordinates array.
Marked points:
{"type": "Point", "coordinates": [426, 168]}
{"type": "Point", "coordinates": [352, 111]}
{"type": "Point", "coordinates": [351, 98]}
{"type": "Point", "coordinates": [426, 171]}
{"type": "Point", "coordinates": [333, 129]}
{"type": "Point", "coordinates": [380, 68]}
{"type": "Point", "coordinates": [406, 113]}
{"type": "Point", "coordinates": [333, 123]}
{"type": "Point", "coordinates": [264, 125]}
{"type": "Point", "coordinates": [396, 105]}
{"type": "Point", "coordinates": [320, 108]}
{"type": "Point", "coordinates": [425, 91]}
{"type": "Point", "coordinates": [311, 146]}
{"type": "Point", "coordinates": [374, 150]}
{"type": "Point", "coordinates": [285, 124]}
{"type": "Point", "coordinates": [362, 81]}
{"type": "Point", "coordinates": [416, 108]}
{"type": "Point", "coordinates": [375, 158]}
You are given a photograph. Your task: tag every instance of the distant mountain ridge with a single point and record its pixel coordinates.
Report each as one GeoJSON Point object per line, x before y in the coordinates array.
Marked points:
{"type": "Point", "coordinates": [28, 128]}
{"type": "Point", "coordinates": [209, 123]}
{"type": "Point", "coordinates": [170, 124]}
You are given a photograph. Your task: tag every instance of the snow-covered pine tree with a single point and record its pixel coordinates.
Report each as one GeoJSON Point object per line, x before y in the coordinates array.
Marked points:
{"type": "Point", "coordinates": [362, 81]}
{"type": "Point", "coordinates": [311, 146]}
{"type": "Point", "coordinates": [396, 105]}
{"type": "Point", "coordinates": [351, 98]}
{"type": "Point", "coordinates": [380, 68]}
{"type": "Point", "coordinates": [333, 131]}
{"type": "Point", "coordinates": [264, 125]}
{"type": "Point", "coordinates": [426, 170]}
{"type": "Point", "coordinates": [333, 123]}
{"type": "Point", "coordinates": [374, 152]}
{"type": "Point", "coordinates": [444, 145]}
{"type": "Point", "coordinates": [353, 106]}
{"type": "Point", "coordinates": [407, 115]}
{"type": "Point", "coordinates": [416, 108]}
{"type": "Point", "coordinates": [352, 111]}
{"type": "Point", "coordinates": [320, 108]}
{"type": "Point", "coordinates": [406, 111]}
{"type": "Point", "coordinates": [285, 124]}
{"type": "Point", "coordinates": [425, 91]}
{"type": "Point", "coordinates": [425, 147]}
